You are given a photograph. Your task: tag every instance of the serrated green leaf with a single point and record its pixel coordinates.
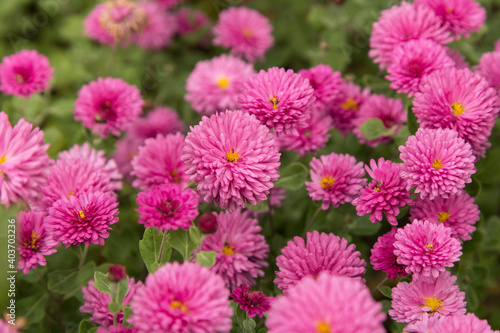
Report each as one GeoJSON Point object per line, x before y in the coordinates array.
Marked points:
{"type": "Point", "coordinates": [114, 307]}
{"type": "Point", "coordinates": [249, 325]}
{"type": "Point", "coordinates": [292, 177]}
{"type": "Point", "coordinates": [374, 128]}
{"type": "Point", "coordinates": [102, 283]}
{"type": "Point", "coordinates": [121, 290]}
{"type": "Point", "coordinates": [386, 291]}
{"type": "Point", "coordinates": [195, 235]}
{"type": "Point", "coordinates": [180, 240]}
{"type": "Point", "coordinates": [62, 281]}
{"type": "Point", "coordinates": [86, 326]}
{"type": "Point", "coordinates": [206, 258]}
{"type": "Point", "coordinates": [149, 247]}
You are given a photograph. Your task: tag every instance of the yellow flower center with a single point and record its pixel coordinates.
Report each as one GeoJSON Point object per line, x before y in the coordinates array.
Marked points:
{"type": "Point", "coordinates": [376, 189]}
{"type": "Point", "coordinates": [247, 33]}
{"type": "Point", "coordinates": [437, 164]}
{"type": "Point", "coordinates": [19, 78]}
{"type": "Point", "coordinates": [223, 82]}
{"type": "Point", "coordinates": [327, 182]}
{"type": "Point", "coordinates": [275, 102]}
{"type": "Point", "coordinates": [180, 306]}
{"type": "Point", "coordinates": [228, 250]}
{"type": "Point", "coordinates": [350, 104]}
{"type": "Point", "coordinates": [433, 303]}
{"type": "Point", "coordinates": [32, 240]}
{"type": "Point", "coordinates": [232, 156]}
{"type": "Point", "coordinates": [3, 158]}
{"type": "Point", "coordinates": [429, 246]}
{"type": "Point", "coordinates": [449, 10]}
{"type": "Point", "coordinates": [443, 216]}
{"type": "Point", "coordinates": [70, 194]}
{"type": "Point", "coordinates": [457, 109]}
{"type": "Point", "coordinates": [323, 327]}
{"type": "Point", "coordinates": [123, 18]}
{"type": "Point", "coordinates": [82, 215]}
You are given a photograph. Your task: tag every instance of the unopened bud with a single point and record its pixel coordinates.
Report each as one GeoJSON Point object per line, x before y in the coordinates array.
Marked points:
{"type": "Point", "coordinates": [117, 273]}
{"type": "Point", "coordinates": [208, 223]}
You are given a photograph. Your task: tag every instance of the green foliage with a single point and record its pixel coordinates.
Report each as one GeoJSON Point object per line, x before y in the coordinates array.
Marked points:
{"type": "Point", "coordinates": [150, 247]}
{"type": "Point", "coordinates": [292, 177]}
{"type": "Point", "coordinates": [185, 241]}
{"type": "Point", "coordinates": [206, 258]}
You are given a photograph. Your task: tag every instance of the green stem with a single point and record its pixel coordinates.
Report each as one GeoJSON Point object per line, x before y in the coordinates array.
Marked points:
{"type": "Point", "coordinates": [84, 255]}
{"type": "Point", "coordinates": [165, 233]}
{"type": "Point", "coordinates": [379, 285]}
{"type": "Point", "coordinates": [311, 221]}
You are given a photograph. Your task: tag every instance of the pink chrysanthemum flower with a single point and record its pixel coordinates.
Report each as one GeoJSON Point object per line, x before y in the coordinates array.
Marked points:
{"type": "Point", "coordinates": [385, 194]}
{"type": "Point", "coordinates": [33, 241]}
{"type": "Point", "coordinates": [253, 302]}
{"type": "Point", "coordinates": [159, 28]}
{"type": "Point", "coordinates": [160, 120]}
{"type": "Point", "coordinates": [245, 31]}
{"type": "Point", "coordinates": [460, 100]}
{"type": "Point", "coordinates": [232, 158]}
{"type": "Point", "coordinates": [168, 4]}
{"type": "Point", "coordinates": [412, 61]}
{"type": "Point", "coordinates": [96, 303]}
{"type": "Point", "coordinates": [383, 257]}
{"type": "Point", "coordinates": [85, 218]}
{"type": "Point", "coordinates": [159, 162]}
{"type": "Point", "coordinates": [24, 161]}
{"type": "Point", "coordinates": [180, 299]}
{"type": "Point", "coordinates": [190, 20]}
{"type": "Point", "coordinates": [436, 162]}
{"type": "Point", "coordinates": [94, 29]}
{"type": "Point", "coordinates": [424, 324]}
{"type": "Point", "coordinates": [462, 323]}
{"type": "Point", "coordinates": [310, 138]}
{"type": "Point", "coordinates": [344, 109]}
{"type": "Point", "coordinates": [426, 248]}
{"type": "Point", "coordinates": [279, 99]}
{"type": "Point", "coordinates": [322, 253]}
{"type": "Point", "coordinates": [168, 207]}
{"type": "Point", "coordinates": [126, 149]}
{"type": "Point", "coordinates": [108, 105]}
{"type": "Point", "coordinates": [403, 23]}
{"type": "Point", "coordinates": [25, 73]}
{"type": "Point", "coordinates": [389, 110]}
{"type": "Point", "coordinates": [457, 212]}
{"type": "Point", "coordinates": [336, 179]}
{"type": "Point", "coordinates": [327, 303]}
{"type": "Point", "coordinates": [433, 296]}
{"type": "Point", "coordinates": [460, 17]}
{"type": "Point", "coordinates": [326, 83]}
{"type": "Point", "coordinates": [241, 249]}
{"type": "Point", "coordinates": [214, 85]}
{"type": "Point", "coordinates": [6, 327]}
{"type": "Point", "coordinates": [457, 57]}
{"type": "Point", "coordinates": [489, 69]}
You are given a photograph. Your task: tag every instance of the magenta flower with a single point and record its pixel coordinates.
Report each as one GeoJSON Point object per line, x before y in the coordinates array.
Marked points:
{"type": "Point", "coordinates": [403, 23]}
{"type": "Point", "coordinates": [33, 241]}
{"type": "Point", "coordinates": [436, 162]}
{"type": "Point", "coordinates": [322, 253]}
{"type": "Point", "coordinates": [95, 30]}
{"type": "Point", "coordinates": [108, 106]}
{"type": "Point", "coordinates": [6, 327]}
{"type": "Point", "coordinates": [182, 298]}
{"type": "Point", "coordinates": [253, 302]}
{"type": "Point", "coordinates": [463, 323]}
{"type": "Point", "coordinates": [279, 99]}
{"type": "Point", "coordinates": [241, 249]}
{"type": "Point", "coordinates": [488, 68]}
{"type": "Point", "coordinates": [214, 85]}
{"type": "Point", "coordinates": [168, 4]}
{"type": "Point", "coordinates": [85, 218]}
{"type": "Point", "coordinates": [190, 20]}
{"type": "Point", "coordinates": [336, 179]}
{"type": "Point", "coordinates": [96, 303]}
{"type": "Point", "coordinates": [390, 111]}
{"type": "Point", "coordinates": [344, 108]}
{"type": "Point", "coordinates": [159, 28]}
{"type": "Point", "coordinates": [457, 57]}
{"type": "Point", "coordinates": [326, 83]}
{"type": "Point", "coordinates": [126, 149]}
{"type": "Point", "coordinates": [327, 303]}
{"type": "Point", "coordinates": [232, 158]}
{"type": "Point", "coordinates": [385, 194]}
{"type": "Point", "coordinates": [433, 296]}
{"type": "Point", "coordinates": [460, 100]}
{"type": "Point", "coordinates": [460, 17]}
{"type": "Point", "coordinates": [383, 257]}
{"type": "Point", "coordinates": [426, 248]}
{"type": "Point", "coordinates": [424, 324]}
{"type": "Point", "coordinates": [245, 31]}
{"type": "Point", "coordinates": [167, 207]}
{"type": "Point", "coordinates": [160, 120]}
{"type": "Point", "coordinates": [159, 162]}
{"type": "Point", "coordinates": [24, 161]}
{"type": "Point", "coordinates": [412, 61]}
{"type": "Point", "coordinates": [457, 212]}
{"type": "Point", "coordinates": [25, 73]}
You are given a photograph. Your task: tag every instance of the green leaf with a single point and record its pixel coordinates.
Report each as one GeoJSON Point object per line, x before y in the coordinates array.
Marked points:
{"type": "Point", "coordinates": [261, 208]}
{"type": "Point", "coordinates": [102, 283]}
{"type": "Point", "coordinates": [114, 307]}
{"type": "Point", "coordinates": [412, 121]}
{"type": "Point", "coordinates": [475, 187]}
{"type": "Point", "coordinates": [62, 281]}
{"type": "Point", "coordinates": [292, 177]}
{"type": "Point", "coordinates": [471, 298]}
{"type": "Point", "coordinates": [121, 290]}
{"type": "Point", "coordinates": [182, 242]}
{"type": "Point", "coordinates": [362, 226]}
{"type": "Point", "coordinates": [206, 258]}
{"type": "Point", "coordinates": [374, 128]}
{"type": "Point", "coordinates": [149, 247]}
{"type": "Point", "coordinates": [33, 308]}
{"type": "Point", "coordinates": [195, 235]}
{"type": "Point", "coordinates": [86, 326]}
{"type": "Point", "coordinates": [249, 325]}
{"type": "Point", "coordinates": [386, 291]}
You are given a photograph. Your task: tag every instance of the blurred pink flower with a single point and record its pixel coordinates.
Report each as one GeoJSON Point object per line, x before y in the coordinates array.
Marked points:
{"type": "Point", "coordinates": [344, 109]}
{"type": "Point", "coordinates": [253, 302]}
{"type": "Point", "coordinates": [326, 83]}
{"type": "Point", "coordinates": [159, 29]}
{"type": "Point", "coordinates": [383, 257]}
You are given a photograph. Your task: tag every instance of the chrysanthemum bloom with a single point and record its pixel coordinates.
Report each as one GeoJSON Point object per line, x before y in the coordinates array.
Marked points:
{"type": "Point", "coordinates": [245, 31]}
{"type": "Point", "coordinates": [463, 323]}
{"type": "Point", "coordinates": [33, 241]}
{"type": "Point", "coordinates": [279, 99]}
{"type": "Point", "coordinates": [94, 29]}
{"type": "Point", "coordinates": [168, 207]}
{"type": "Point", "coordinates": [6, 327]}
{"type": "Point", "coordinates": [214, 85]}
{"type": "Point", "coordinates": [345, 107]}
{"type": "Point", "coordinates": [190, 20]}
{"type": "Point", "coordinates": [460, 17]}
{"type": "Point", "coordinates": [159, 162]}
{"type": "Point", "coordinates": [108, 105]}
{"type": "Point", "coordinates": [436, 162]}
{"type": "Point", "coordinates": [25, 73]}
{"type": "Point", "coordinates": [383, 257]}
{"type": "Point", "coordinates": [426, 248]}
{"type": "Point", "coordinates": [433, 296]}
{"type": "Point", "coordinates": [160, 120]}
{"type": "Point", "coordinates": [85, 218]}
{"type": "Point", "coordinates": [327, 303]}
{"type": "Point", "coordinates": [168, 4]}
{"type": "Point", "coordinates": [336, 179]}
{"type": "Point", "coordinates": [232, 158]}
{"type": "Point", "coordinates": [96, 303]}
{"type": "Point", "coordinates": [460, 100]}
{"type": "Point", "coordinates": [457, 57]}
{"type": "Point", "coordinates": [389, 110]}
{"type": "Point", "coordinates": [412, 61]}
{"type": "Point", "coordinates": [403, 23]}
{"type": "Point", "coordinates": [489, 69]}
{"type": "Point", "coordinates": [182, 298]}
{"type": "Point", "coordinates": [126, 149]}
{"type": "Point", "coordinates": [241, 249]}
{"type": "Point", "coordinates": [122, 19]}
{"type": "Point", "coordinates": [326, 83]}
{"type": "Point", "coordinates": [158, 29]}
{"type": "Point", "coordinates": [24, 161]}
{"type": "Point", "coordinates": [322, 253]}
{"type": "Point", "coordinates": [457, 212]}
{"type": "Point", "coordinates": [253, 302]}
{"type": "Point", "coordinates": [424, 324]}
{"type": "Point", "coordinates": [276, 196]}
{"type": "Point", "coordinates": [385, 194]}
{"type": "Point", "coordinates": [310, 138]}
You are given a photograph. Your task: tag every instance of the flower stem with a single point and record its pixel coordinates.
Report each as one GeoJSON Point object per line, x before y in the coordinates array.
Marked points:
{"type": "Point", "coordinates": [311, 221]}
{"type": "Point", "coordinates": [379, 285]}
{"type": "Point", "coordinates": [84, 255]}
{"type": "Point", "coordinates": [165, 233]}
